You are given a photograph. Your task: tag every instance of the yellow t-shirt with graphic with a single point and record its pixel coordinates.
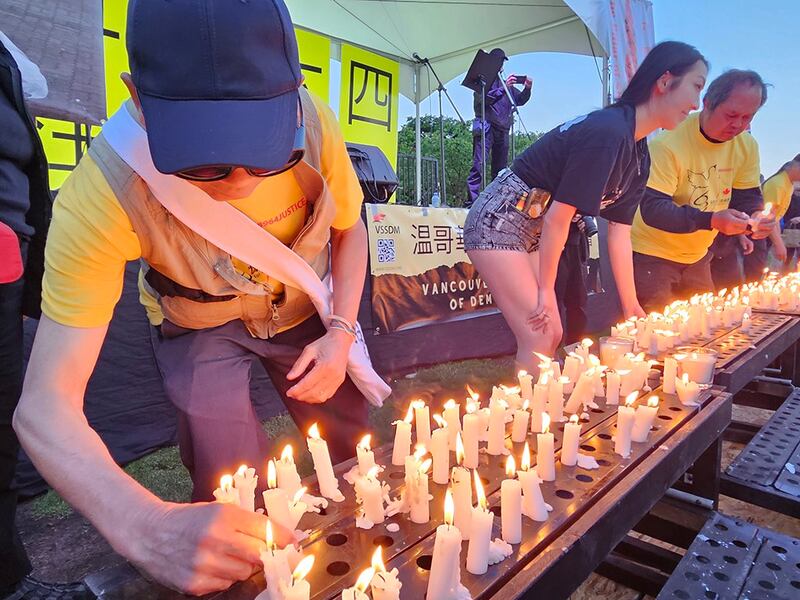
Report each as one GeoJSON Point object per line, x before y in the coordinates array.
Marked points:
{"type": "Point", "coordinates": [91, 237]}
{"type": "Point", "coordinates": [685, 165]}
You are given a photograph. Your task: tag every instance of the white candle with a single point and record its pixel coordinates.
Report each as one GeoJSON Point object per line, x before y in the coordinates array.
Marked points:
{"type": "Point", "coordinates": [402, 438]}
{"type": "Point", "coordinates": [440, 451]}
{"type": "Point", "coordinates": [612, 388]}
{"type": "Point", "coordinates": [445, 576]}
{"type": "Point", "coordinates": [555, 399]}
{"type": "Point", "coordinates": [245, 481]}
{"type": "Point", "coordinates": [511, 505]}
{"type": "Point", "coordinates": [519, 429]}
{"type": "Point", "coordinates": [452, 417]}
{"type": "Point", "coordinates": [298, 588]}
{"type": "Point", "coordinates": [288, 478]}
{"type": "Point", "coordinates": [625, 418]}
{"type": "Point", "coordinates": [539, 404]}
{"type": "Point", "coordinates": [483, 415]}
{"type": "Point", "coordinates": [688, 391]}
{"type": "Point", "coordinates": [358, 591]}
{"type": "Point", "coordinates": [525, 386]}
{"type": "Point", "coordinates": [545, 453]}
{"type": "Point", "coordinates": [420, 498]}
{"type": "Point", "coordinates": [643, 419]}
{"type": "Point", "coordinates": [385, 584]}
{"type": "Point", "coordinates": [573, 366]}
{"type": "Point", "coordinates": [422, 422]}
{"type": "Point", "coordinates": [226, 493]}
{"type": "Point", "coordinates": [670, 372]}
{"type": "Point", "coordinates": [472, 436]}
{"type": "Point", "coordinates": [366, 457]}
{"type": "Point", "coordinates": [533, 504]}
{"type": "Point", "coordinates": [480, 533]}
{"type": "Point", "coordinates": [462, 495]}
{"type": "Point", "coordinates": [276, 500]}
{"type": "Point", "coordinates": [571, 441]}
{"type": "Point", "coordinates": [370, 490]}
{"type": "Point", "coordinates": [583, 392]}
{"type": "Point", "coordinates": [699, 365]}
{"type": "Point", "coordinates": [297, 508]}
{"type": "Point", "coordinates": [276, 567]}
{"type": "Point", "coordinates": [328, 484]}
{"type": "Point", "coordinates": [497, 427]}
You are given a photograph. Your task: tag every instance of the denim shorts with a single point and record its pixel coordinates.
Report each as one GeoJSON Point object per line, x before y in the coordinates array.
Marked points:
{"type": "Point", "coordinates": [508, 215]}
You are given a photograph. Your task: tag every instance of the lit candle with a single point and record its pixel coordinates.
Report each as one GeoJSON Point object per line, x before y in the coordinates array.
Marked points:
{"type": "Point", "coordinates": [539, 404]}
{"type": "Point", "coordinates": [298, 588]}
{"type": "Point", "coordinates": [497, 427]}
{"type": "Point", "coordinates": [670, 372]}
{"type": "Point", "coordinates": [358, 591]}
{"type": "Point", "coordinates": [445, 576]}
{"type": "Point", "coordinates": [533, 504]}
{"type": "Point", "coordinates": [555, 399]}
{"type": "Point", "coordinates": [625, 419]}
{"type": "Point", "coordinates": [288, 478]}
{"type": "Point", "coordinates": [385, 584]}
{"type": "Point", "coordinates": [245, 481]}
{"type": "Point", "coordinates": [276, 567]}
{"type": "Point", "coordinates": [573, 366]}
{"type": "Point", "coordinates": [402, 438]}
{"type": "Point", "coordinates": [440, 451]}
{"type": "Point", "coordinates": [545, 453]}
{"type": "Point", "coordinates": [366, 457]}
{"type": "Point", "coordinates": [519, 429]}
{"type": "Point", "coordinates": [511, 504]}
{"type": "Point", "coordinates": [480, 533]}
{"type": "Point", "coordinates": [226, 493]}
{"type": "Point", "coordinates": [643, 419]}
{"type": "Point", "coordinates": [483, 415]}
{"type": "Point", "coordinates": [420, 498]}
{"type": "Point", "coordinates": [472, 436]}
{"type": "Point", "coordinates": [297, 508]}
{"type": "Point", "coordinates": [582, 350]}
{"type": "Point", "coordinates": [612, 388]}
{"type": "Point", "coordinates": [525, 385]}
{"type": "Point", "coordinates": [699, 364]}
{"type": "Point", "coordinates": [422, 422]}
{"type": "Point", "coordinates": [462, 492]}
{"type": "Point", "coordinates": [452, 417]}
{"type": "Point", "coordinates": [370, 493]}
{"type": "Point", "coordinates": [570, 442]}
{"type": "Point", "coordinates": [276, 500]}
{"type": "Point", "coordinates": [328, 484]}
{"type": "Point", "coordinates": [688, 391]}
{"type": "Point", "coordinates": [583, 392]}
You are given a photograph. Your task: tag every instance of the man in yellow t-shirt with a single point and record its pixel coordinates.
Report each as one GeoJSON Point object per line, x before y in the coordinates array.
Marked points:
{"type": "Point", "coordinates": [218, 92]}
{"type": "Point", "coordinates": [704, 180]}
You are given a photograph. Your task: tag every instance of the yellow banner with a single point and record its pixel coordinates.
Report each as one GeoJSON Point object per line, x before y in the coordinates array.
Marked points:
{"type": "Point", "coordinates": [368, 99]}
{"type": "Point", "coordinates": [64, 143]}
{"type": "Point", "coordinates": [315, 62]}
{"type": "Point", "coordinates": [115, 56]}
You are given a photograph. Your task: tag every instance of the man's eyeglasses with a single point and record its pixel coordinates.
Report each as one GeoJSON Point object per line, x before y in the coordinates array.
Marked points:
{"type": "Point", "coordinates": [217, 172]}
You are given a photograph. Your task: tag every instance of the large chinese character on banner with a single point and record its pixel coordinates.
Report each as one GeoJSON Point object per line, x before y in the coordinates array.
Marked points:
{"type": "Point", "coordinates": [369, 97]}
{"type": "Point", "coordinates": [315, 62]}
{"type": "Point", "coordinates": [420, 272]}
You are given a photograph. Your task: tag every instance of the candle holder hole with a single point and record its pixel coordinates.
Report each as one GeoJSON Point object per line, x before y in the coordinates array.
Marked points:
{"type": "Point", "coordinates": [338, 568]}
{"type": "Point", "coordinates": [598, 411]}
{"type": "Point", "coordinates": [675, 408]}
{"type": "Point", "coordinates": [588, 448]}
{"type": "Point", "coordinates": [336, 539]}
{"type": "Point", "coordinates": [323, 511]}
{"type": "Point", "coordinates": [665, 417]}
{"type": "Point", "coordinates": [495, 510]}
{"type": "Point", "coordinates": [583, 477]}
{"type": "Point", "coordinates": [396, 475]}
{"type": "Point", "coordinates": [424, 562]}
{"type": "Point", "coordinates": [484, 481]}
{"type": "Point", "coordinates": [604, 436]}
{"type": "Point", "coordinates": [384, 541]}
{"type": "Point", "coordinates": [565, 494]}
{"type": "Point", "coordinates": [603, 462]}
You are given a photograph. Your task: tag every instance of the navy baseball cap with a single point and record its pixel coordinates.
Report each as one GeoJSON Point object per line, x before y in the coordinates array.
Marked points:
{"type": "Point", "coordinates": [218, 81]}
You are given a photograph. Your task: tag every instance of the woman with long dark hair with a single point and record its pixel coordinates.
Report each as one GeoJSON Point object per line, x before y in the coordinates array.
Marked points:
{"type": "Point", "coordinates": [596, 164]}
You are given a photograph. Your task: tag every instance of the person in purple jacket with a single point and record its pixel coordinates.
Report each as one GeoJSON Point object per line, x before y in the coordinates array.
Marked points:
{"type": "Point", "coordinates": [499, 115]}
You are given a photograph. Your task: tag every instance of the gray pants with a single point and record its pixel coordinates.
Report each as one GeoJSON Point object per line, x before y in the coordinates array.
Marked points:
{"type": "Point", "coordinates": [207, 377]}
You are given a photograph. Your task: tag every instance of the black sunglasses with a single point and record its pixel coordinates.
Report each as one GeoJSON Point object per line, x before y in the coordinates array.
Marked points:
{"type": "Point", "coordinates": [217, 172]}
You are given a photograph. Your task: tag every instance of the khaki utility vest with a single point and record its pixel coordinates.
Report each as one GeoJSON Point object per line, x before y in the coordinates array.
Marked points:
{"type": "Point", "coordinates": [194, 281]}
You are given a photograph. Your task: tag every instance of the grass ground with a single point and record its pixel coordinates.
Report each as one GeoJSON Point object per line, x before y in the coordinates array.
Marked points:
{"type": "Point", "coordinates": [64, 546]}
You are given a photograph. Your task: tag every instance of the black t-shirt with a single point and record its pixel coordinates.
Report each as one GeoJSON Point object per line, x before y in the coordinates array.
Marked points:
{"type": "Point", "coordinates": [592, 163]}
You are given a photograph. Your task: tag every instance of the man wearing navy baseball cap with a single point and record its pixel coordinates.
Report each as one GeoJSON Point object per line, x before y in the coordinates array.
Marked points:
{"type": "Point", "coordinates": [218, 119]}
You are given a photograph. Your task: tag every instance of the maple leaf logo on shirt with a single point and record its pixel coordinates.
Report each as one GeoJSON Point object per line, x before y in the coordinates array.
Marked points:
{"type": "Point", "coordinates": [377, 218]}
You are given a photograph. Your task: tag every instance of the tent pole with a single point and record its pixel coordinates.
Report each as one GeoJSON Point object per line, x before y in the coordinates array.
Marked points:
{"type": "Point", "coordinates": [417, 137]}
{"type": "Point", "coordinates": [606, 86]}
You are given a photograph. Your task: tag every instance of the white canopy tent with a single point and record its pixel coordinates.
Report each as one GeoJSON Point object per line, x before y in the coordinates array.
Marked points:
{"type": "Point", "coordinates": [449, 32]}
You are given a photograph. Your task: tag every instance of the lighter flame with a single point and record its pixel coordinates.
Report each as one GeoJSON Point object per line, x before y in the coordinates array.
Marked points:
{"type": "Point", "coordinates": [479, 491]}
{"type": "Point", "coordinates": [377, 560]}
{"type": "Point", "coordinates": [313, 432]}
{"type": "Point", "coordinates": [302, 569]}
{"type": "Point", "coordinates": [767, 209]}
{"type": "Point", "coordinates": [511, 467]}
{"type": "Point", "coordinates": [363, 580]}
{"type": "Point", "coordinates": [287, 454]}
{"type": "Point", "coordinates": [545, 423]}
{"type": "Point", "coordinates": [272, 476]}
{"type": "Point", "coordinates": [459, 449]}
{"type": "Point", "coordinates": [525, 463]}
{"type": "Point", "coordinates": [449, 507]}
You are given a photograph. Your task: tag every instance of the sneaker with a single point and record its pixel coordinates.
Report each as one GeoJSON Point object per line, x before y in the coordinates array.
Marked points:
{"type": "Point", "coordinates": [33, 589]}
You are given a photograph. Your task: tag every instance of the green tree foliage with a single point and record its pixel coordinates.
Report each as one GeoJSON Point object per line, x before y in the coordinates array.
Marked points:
{"type": "Point", "coordinates": [458, 153]}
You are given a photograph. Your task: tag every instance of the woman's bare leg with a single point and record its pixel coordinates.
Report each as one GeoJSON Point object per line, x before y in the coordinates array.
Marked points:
{"type": "Point", "coordinates": [511, 277]}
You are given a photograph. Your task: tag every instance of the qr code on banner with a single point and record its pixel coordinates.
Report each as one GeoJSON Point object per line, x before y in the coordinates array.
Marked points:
{"type": "Point", "coordinates": [386, 250]}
